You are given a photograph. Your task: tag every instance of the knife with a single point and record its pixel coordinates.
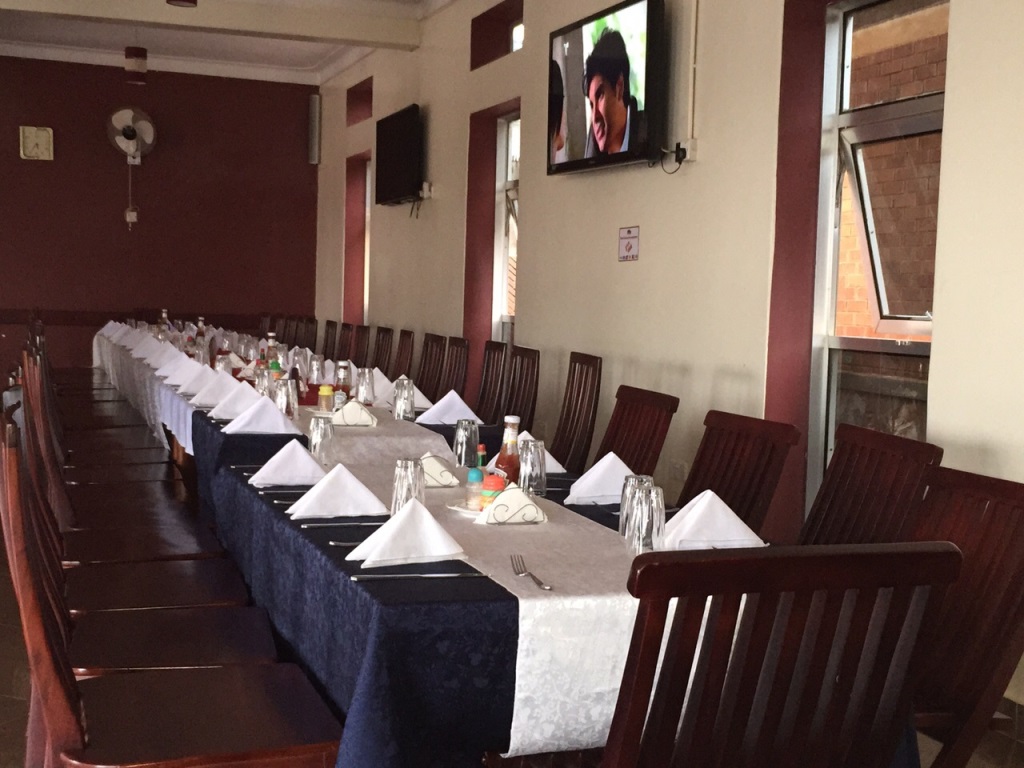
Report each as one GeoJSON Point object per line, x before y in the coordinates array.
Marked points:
{"type": "Point", "coordinates": [336, 525]}
{"type": "Point", "coordinates": [379, 576]}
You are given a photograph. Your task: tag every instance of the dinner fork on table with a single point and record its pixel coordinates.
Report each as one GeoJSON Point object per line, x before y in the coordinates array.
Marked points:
{"type": "Point", "coordinates": [519, 568]}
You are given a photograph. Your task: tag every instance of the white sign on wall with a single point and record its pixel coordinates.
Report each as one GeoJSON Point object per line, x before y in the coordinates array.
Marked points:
{"type": "Point", "coordinates": [629, 243]}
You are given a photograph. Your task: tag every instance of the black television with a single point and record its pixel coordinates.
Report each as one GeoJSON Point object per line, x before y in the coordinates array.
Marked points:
{"type": "Point", "coordinates": [399, 157]}
{"type": "Point", "coordinates": [607, 89]}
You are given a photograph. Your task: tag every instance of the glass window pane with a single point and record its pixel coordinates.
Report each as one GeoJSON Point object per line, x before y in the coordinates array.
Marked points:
{"type": "Point", "coordinates": [880, 391]}
{"type": "Point", "coordinates": [900, 188]}
{"type": "Point", "coordinates": [518, 35]}
{"type": "Point", "coordinates": [895, 51]}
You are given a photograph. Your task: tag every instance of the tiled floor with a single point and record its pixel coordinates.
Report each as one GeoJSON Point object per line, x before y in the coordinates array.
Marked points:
{"type": "Point", "coordinates": [997, 751]}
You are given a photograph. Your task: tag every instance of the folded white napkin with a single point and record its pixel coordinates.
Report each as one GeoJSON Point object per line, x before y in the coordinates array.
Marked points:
{"type": "Point", "coordinates": [387, 398]}
{"type": "Point", "coordinates": [200, 379]}
{"type": "Point", "coordinates": [120, 334]}
{"type": "Point", "coordinates": [135, 337]}
{"type": "Point", "coordinates": [262, 416]}
{"type": "Point", "coordinates": [511, 507]}
{"type": "Point", "coordinates": [220, 386]}
{"type": "Point", "coordinates": [551, 465]}
{"type": "Point", "coordinates": [163, 353]}
{"type": "Point", "coordinates": [248, 372]}
{"type": "Point", "coordinates": [338, 494]}
{"type": "Point", "coordinates": [601, 484]}
{"type": "Point", "coordinates": [292, 465]}
{"type": "Point", "coordinates": [236, 361]}
{"type": "Point", "coordinates": [708, 523]}
{"type": "Point", "coordinates": [448, 410]}
{"type": "Point", "coordinates": [173, 365]}
{"type": "Point", "coordinates": [235, 404]}
{"type": "Point", "coordinates": [353, 414]}
{"type": "Point", "coordinates": [184, 373]}
{"type": "Point", "coordinates": [145, 348]}
{"type": "Point", "coordinates": [108, 329]}
{"type": "Point", "coordinates": [437, 472]}
{"type": "Point", "coordinates": [411, 536]}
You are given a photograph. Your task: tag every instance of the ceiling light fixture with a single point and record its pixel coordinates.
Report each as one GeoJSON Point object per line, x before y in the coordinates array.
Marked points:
{"type": "Point", "coordinates": [183, 3]}
{"type": "Point", "coordinates": [135, 64]}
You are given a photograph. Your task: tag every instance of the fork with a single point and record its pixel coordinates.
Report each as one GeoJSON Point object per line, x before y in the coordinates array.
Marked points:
{"type": "Point", "coordinates": [519, 567]}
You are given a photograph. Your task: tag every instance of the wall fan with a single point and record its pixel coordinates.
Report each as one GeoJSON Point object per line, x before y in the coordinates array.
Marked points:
{"type": "Point", "coordinates": [132, 132]}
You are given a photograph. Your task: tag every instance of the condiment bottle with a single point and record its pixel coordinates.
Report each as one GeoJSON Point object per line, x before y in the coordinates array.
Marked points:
{"type": "Point", "coordinates": [325, 397]}
{"type": "Point", "coordinates": [474, 488]}
{"type": "Point", "coordinates": [508, 460]}
{"type": "Point", "coordinates": [492, 486]}
{"type": "Point", "coordinates": [276, 372]}
{"type": "Point", "coordinates": [481, 455]}
{"type": "Point", "coordinates": [272, 353]}
{"type": "Point", "coordinates": [343, 377]}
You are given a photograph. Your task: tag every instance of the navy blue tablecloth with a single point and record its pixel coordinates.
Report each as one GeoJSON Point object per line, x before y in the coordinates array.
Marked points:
{"type": "Point", "coordinates": [213, 449]}
{"type": "Point", "coordinates": [422, 670]}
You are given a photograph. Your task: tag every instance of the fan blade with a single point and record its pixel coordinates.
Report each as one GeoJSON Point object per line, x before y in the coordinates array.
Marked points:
{"type": "Point", "coordinates": [121, 118]}
{"type": "Point", "coordinates": [146, 131]}
{"type": "Point", "coordinates": [129, 147]}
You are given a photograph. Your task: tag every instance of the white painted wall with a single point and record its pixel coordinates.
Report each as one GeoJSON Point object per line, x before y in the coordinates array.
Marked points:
{"type": "Point", "coordinates": [690, 318]}
{"type": "Point", "coordinates": [976, 369]}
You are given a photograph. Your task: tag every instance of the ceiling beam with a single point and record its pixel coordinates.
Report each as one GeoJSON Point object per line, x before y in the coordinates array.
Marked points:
{"type": "Point", "coordinates": [321, 24]}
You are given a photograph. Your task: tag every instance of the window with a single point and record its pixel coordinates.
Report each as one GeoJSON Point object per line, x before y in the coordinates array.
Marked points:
{"type": "Point", "coordinates": [506, 235]}
{"type": "Point", "coordinates": [518, 35]}
{"type": "Point", "coordinates": [885, 75]}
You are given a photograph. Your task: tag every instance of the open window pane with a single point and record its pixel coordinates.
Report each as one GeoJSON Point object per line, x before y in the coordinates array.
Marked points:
{"type": "Point", "coordinates": [899, 187]}
{"type": "Point", "coordinates": [884, 392]}
{"type": "Point", "coordinates": [895, 51]}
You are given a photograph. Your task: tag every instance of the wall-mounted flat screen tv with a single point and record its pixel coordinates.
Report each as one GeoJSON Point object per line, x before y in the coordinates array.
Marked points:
{"type": "Point", "coordinates": [399, 157]}
{"type": "Point", "coordinates": [606, 89]}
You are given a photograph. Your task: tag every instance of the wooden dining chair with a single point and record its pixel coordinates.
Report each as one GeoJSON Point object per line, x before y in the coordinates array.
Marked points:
{"type": "Point", "coordinates": [778, 656]}
{"type": "Point", "coordinates": [741, 459]}
{"type": "Point", "coordinates": [453, 374]}
{"type": "Point", "coordinates": [980, 639]}
{"type": "Point", "coordinates": [382, 348]}
{"type": "Point", "coordinates": [264, 326]}
{"type": "Point", "coordinates": [361, 345]}
{"type": "Point", "coordinates": [870, 484]}
{"type": "Point", "coordinates": [290, 330]}
{"type": "Point", "coordinates": [575, 429]}
{"type": "Point", "coordinates": [637, 429]}
{"type": "Point", "coordinates": [330, 339]}
{"type": "Point", "coordinates": [279, 327]}
{"type": "Point", "coordinates": [310, 334]}
{"type": "Point", "coordinates": [264, 714]}
{"type": "Point", "coordinates": [523, 377]}
{"type": "Point", "coordinates": [402, 364]}
{"type": "Point", "coordinates": [345, 334]}
{"type": "Point", "coordinates": [428, 374]}
{"type": "Point", "coordinates": [490, 402]}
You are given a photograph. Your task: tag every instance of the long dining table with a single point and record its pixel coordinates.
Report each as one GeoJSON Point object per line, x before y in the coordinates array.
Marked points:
{"type": "Point", "coordinates": [425, 671]}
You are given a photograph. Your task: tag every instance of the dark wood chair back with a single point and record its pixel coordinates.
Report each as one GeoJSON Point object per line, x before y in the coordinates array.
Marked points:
{"type": "Point", "coordinates": [637, 429]}
{"type": "Point", "coordinates": [776, 656]}
{"type": "Point", "coordinates": [741, 459]}
{"type": "Point", "coordinates": [291, 326]}
{"type": "Point", "coordinates": [575, 429]}
{"type": "Point", "coordinates": [330, 339]}
{"type": "Point", "coordinates": [361, 346]}
{"type": "Point", "coordinates": [523, 376]}
{"type": "Point", "coordinates": [869, 486]}
{"type": "Point", "coordinates": [980, 639]}
{"type": "Point", "coordinates": [428, 374]}
{"type": "Point", "coordinates": [382, 349]}
{"type": "Point", "coordinates": [491, 402]}
{"type": "Point", "coordinates": [456, 360]}
{"type": "Point", "coordinates": [264, 326]}
{"type": "Point", "coordinates": [345, 334]}
{"type": "Point", "coordinates": [279, 327]}
{"type": "Point", "coordinates": [309, 337]}
{"type": "Point", "coordinates": [402, 365]}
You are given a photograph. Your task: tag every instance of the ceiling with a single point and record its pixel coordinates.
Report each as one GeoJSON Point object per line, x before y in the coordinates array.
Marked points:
{"type": "Point", "coordinates": [297, 41]}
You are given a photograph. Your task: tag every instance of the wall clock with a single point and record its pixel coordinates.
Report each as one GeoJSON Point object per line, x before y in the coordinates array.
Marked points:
{"type": "Point", "coordinates": [36, 143]}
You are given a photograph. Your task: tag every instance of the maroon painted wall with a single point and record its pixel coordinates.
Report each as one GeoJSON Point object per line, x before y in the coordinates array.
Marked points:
{"type": "Point", "coordinates": [352, 310]}
{"type": "Point", "coordinates": [227, 200]}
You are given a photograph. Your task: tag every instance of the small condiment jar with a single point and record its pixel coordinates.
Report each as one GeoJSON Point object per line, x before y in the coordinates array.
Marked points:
{"type": "Point", "coordinates": [481, 455]}
{"type": "Point", "coordinates": [325, 397]}
{"type": "Point", "coordinates": [493, 485]}
{"type": "Point", "coordinates": [474, 488]}
{"type": "Point", "coordinates": [276, 372]}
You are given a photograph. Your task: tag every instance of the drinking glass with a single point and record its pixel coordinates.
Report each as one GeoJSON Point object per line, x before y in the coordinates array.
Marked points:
{"type": "Point", "coordinates": [223, 363]}
{"type": "Point", "coordinates": [646, 527]}
{"type": "Point", "coordinates": [286, 397]}
{"type": "Point", "coordinates": [409, 483]}
{"type": "Point", "coordinates": [316, 369]}
{"type": "Point", "coordinates": [262, 381]}
{"type": "Point", "coordinates": [364, 387]}
{"type": "Point", "coordinates": [467, 437]}
{"type": "Point", "coordinates": [405, 400]}
{"type": "Point", "coordinates": [629, 487]}
{"type": "Point", "coordinates": [321, 435]}
{"type": "Point", "coordinates": [533, 476]}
